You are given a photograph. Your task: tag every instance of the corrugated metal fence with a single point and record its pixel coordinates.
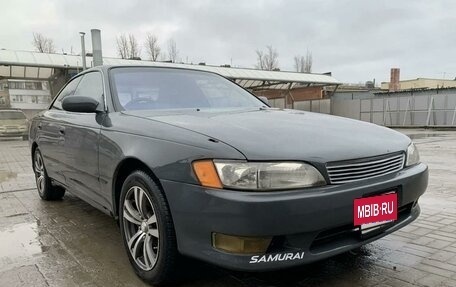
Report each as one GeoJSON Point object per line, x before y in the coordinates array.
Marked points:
{"type": "Point", "coordinates": [405, 111]}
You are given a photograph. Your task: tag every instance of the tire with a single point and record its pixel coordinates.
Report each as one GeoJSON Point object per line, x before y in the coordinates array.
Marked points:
{"type": "Point", "coordinates": [147, 229]}
{"type": "Point", "coordinates": [43, 183]}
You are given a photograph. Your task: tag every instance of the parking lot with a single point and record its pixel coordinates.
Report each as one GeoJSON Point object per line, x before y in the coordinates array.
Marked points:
{"type": "Point", "coordinates": [70, 243]}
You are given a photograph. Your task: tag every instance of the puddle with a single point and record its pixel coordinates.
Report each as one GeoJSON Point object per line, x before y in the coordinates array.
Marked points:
{"type": "Point", "coordinates": [19, 241]}
{"type": "Point", "coordinates": [6, 175]}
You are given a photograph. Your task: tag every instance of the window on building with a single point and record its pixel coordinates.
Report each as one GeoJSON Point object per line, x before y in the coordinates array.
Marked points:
{"type": "Point", "coordinates": [29, 85]}
{"type": "Point", "coordinates": [17, 98]}
{"type": "Point", "coordinates": [17, 85]}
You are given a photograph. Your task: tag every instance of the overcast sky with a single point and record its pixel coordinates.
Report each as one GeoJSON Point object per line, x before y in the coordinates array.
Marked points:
{"type": "Point", "coordinates": [357, 40]}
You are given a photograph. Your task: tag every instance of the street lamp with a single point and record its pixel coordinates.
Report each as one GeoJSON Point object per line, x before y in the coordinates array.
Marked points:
{"type": "Point", "coordinates": [83, 53]}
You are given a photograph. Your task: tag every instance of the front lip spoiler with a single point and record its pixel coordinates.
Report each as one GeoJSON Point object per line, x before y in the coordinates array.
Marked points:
{"type": "Point", "coordinates": [241, 262]}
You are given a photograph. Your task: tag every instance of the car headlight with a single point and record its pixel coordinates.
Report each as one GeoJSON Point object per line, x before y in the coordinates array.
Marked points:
{"type": "Point", "coordinates": [413, 157]}
{"type": "Point", "coordinates": [259, 175]}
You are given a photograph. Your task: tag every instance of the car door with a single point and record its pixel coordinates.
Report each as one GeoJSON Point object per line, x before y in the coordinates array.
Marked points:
{"type": "Point", "coordinates": [82, 135]}
{"type": "Point", "coordinates": [51, 139]}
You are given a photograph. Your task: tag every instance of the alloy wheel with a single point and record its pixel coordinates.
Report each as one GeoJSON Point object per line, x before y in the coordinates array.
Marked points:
{"type": "Point", "coordinates": [39, 173]}
{"type": "Point", "coordinates": [141, 228]}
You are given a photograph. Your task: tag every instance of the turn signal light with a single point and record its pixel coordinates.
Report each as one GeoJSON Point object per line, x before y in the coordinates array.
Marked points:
{"type": "Point", "coordinates": [206, 173]}
{"type": "Point", "coordinates": [240, 244]}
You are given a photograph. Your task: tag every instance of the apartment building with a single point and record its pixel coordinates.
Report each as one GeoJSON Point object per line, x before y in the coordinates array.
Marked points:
{"type": "Point", "coordinates": [28, 96]}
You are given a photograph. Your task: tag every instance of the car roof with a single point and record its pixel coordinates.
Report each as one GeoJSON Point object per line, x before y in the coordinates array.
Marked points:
{"type": "Point", "coordinates": [108, 67]}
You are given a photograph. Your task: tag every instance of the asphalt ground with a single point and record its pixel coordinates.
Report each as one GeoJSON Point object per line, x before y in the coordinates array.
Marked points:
{"type": "Point", "coordinates": [70, 243]}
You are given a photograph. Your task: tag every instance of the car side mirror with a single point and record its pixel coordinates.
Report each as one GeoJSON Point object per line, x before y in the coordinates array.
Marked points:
{"type": "Point", "coordinates": [264, 100]}
{"type": "Point", "coordinates": [80, 104]}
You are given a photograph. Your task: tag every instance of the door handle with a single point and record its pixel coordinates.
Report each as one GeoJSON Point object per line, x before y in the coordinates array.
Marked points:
{"type": "Point", "coordinates": [62, 131]}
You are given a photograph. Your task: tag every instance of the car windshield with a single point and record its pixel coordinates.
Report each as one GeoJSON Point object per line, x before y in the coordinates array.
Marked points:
{"type": "Point", "coordinates": [11, 115]}
{"type": "Point", "coordinates": [165, 88]}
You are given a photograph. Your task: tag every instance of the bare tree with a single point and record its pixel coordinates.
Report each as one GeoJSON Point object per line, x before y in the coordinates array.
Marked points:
{"type": "Point", "coordinates": [135, 50]}
{"type": "Point", "coordinates": [128, 47]}
{"type": "Point", "coordinates": [172, 51]}
{"type": "Point", "coordinates": [152, 47]}
{"type": "Point", "coordinates": [43, 44]}
{"type": "Point", "coordinates": [123, 47]}
{"type": "Point", "coordinates": [304, 64]}
{"type": "Point", "coordinates": [298, 63]}
{"type": "Point", "coordinates": [267, 60]}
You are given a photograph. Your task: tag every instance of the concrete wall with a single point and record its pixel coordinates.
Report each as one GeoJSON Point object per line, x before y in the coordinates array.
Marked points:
{"type": "Point", "coordinates": [298, 94]}
{"type": "Point", "coordinates": [346, 108]}
{"type": "Point", "coordinates": [351, 95]}
{"type": "Point", "coordinates": [417, 111]}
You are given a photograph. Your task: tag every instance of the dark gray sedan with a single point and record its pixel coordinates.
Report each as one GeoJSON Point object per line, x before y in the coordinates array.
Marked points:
{"type": "Point", "coordinates": [192, 164]}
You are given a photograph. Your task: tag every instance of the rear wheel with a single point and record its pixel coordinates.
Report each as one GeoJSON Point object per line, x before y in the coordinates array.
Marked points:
{"type": "Point", "coordinates": [43, 183]}
{"type": "Point", "coordinates": [147, 229]}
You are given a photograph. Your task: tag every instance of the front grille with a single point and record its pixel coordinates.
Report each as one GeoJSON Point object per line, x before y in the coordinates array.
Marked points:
{"type": "Point", "coordinates": [354, 170]}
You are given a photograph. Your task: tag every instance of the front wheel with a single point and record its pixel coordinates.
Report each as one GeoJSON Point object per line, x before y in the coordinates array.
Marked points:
{"type": "Point", "coordinates": [147, 229]}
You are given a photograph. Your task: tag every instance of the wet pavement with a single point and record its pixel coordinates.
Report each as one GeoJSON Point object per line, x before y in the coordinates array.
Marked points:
{"type": "Point", "coordinates": [70, 243]}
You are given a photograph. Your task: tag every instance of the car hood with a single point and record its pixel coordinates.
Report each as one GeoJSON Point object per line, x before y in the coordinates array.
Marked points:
{"type": "Point", "coordinates": [274, 134]}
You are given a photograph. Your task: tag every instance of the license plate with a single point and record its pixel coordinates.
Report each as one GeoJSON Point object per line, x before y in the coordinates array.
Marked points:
{"type": "Point", "coordinates": [370, 212]}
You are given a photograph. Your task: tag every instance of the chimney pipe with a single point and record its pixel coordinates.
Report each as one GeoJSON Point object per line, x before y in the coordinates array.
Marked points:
{"type": "Point", "coordinates": [83, 51]}
{"type": "Point", "coordinates": [96, 47]}
{"type": "Point", "coordinates": [394, 85]}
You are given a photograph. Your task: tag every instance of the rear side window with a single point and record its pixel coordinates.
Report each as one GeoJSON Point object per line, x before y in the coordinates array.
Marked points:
{"type": "Point", "coordinates": [67, 91]}
{"type": "Point", "coordinates": [12, 115]}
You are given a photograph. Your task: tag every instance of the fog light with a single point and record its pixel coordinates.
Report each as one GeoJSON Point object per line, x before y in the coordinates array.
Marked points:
{"type": "Point", "coordinates": [240, 244]}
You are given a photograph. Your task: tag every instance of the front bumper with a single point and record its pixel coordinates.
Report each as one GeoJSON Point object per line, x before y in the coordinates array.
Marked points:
{"type": "Point", "coordinates": [317, 221]}
{"type": "Point", "coordinates": [13, 133]}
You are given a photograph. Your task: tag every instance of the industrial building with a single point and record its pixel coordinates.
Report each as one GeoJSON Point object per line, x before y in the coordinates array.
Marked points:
{"type": "Point", "coordinates": [395, 84]}
{"type": "Point", "coordinates": [421, 83]}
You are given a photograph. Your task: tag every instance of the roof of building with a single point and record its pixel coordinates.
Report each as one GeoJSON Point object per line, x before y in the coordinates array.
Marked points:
{"type": "Point", "coordinates": [34, 65]}
{"type": "Point", "coordinates": [429, 79]}
{"type": "Point", "coordinates": [415, 90]}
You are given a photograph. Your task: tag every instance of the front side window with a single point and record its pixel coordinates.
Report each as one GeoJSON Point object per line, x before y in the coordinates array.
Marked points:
{"type": "Point", "coordinates": [91, 86]}
{"type": "Point", "coordinates": [164, 88]}
{"type": "Point", "coordinates": [67, 91]}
